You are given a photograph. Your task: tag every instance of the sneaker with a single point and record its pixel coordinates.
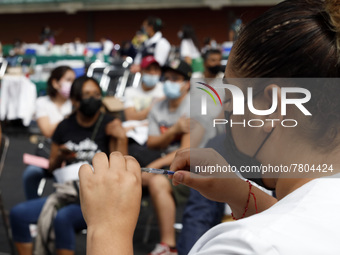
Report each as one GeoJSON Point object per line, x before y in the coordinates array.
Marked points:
{"type": "Point", "coordinates": [163, 249]}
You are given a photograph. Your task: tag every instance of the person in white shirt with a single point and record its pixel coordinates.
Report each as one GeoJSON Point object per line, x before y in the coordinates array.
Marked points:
{"type": "Point", "coordinates": [50, 111]}
{"type": "Point", "coordinates": [138, 101]}
{"type": "Point", "coordinates": [190, 46]}
{"type": "Point", "coordinates": [296, 38]}
{"type": "Point", "coordinates": [107, 46]}
{"type": "Point", "coordinates": [156, 45]}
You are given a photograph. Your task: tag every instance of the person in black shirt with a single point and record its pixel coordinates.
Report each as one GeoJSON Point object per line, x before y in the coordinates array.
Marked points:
{"type": "Point", "coordinates": [77, 138]}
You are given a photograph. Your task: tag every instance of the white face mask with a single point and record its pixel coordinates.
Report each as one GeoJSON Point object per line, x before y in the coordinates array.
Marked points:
{"type": "Point", "coordinates": [149, 80]}
{"type": "Point", "coordinates": [172, 90]}
{"type": "Point", "coordinates": [65, 89]}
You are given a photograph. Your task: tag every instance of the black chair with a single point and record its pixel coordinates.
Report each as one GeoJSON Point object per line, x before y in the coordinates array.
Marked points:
{"type": "Point", "coordinates": [3, 153]}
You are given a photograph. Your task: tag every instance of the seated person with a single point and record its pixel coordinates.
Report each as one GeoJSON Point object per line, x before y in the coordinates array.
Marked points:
{"type": "Point", "coordinates": [200, 214]}
{"type": "Point", "coordinates": [212, 65]}
{"type": "Point", "coordinates": [77, 138]}
{"type": "Point", "coordinates": [138, 103]}
{"type": "Point", "coordinates": [169, 131]}
{"type": "Point", "coordinates": [290, 224]}
{"type": "Point", "coordinates": [50, 111]}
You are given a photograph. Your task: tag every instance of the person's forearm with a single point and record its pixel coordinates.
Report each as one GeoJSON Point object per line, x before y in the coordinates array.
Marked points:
{"type": "Point", "coordinates": [55, 163]}
{"type": "Point", "coordinates": [162, 162]}
{"type": "Point", "coordinates": [188, 60]}
{"type": "Point", "coordinates": [235, 193]}
{"type": "Point", "coordinates": [163, 140]}
{"type": "Point", "coordinates": [46, 128]}
{"type": "Point", "coordinates": [137, 115]}
{"type": "Point", "coordinates": [49, 131]}
{"type": "Point", "coordinates": [107, 240]}
{"type": "Point", "coordinates": [119, 144]}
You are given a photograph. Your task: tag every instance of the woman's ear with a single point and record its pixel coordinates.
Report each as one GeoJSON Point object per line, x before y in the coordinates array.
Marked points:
{"type": "Point", "coordinates": [275, 118]}
{"type": "Point", "coordinates": [55, 84]}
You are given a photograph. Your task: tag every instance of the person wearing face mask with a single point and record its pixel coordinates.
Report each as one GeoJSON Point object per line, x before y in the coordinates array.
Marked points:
{"type": "Point", "coordinates": [76, 139]}
{"type": "Point", "coordinates": [304, 219]}
{"type": "Point", "coordinates": [156, 45]}
{"type": "Point", "coordinates": [138, 103]}
{"type": "Point", "coordinates": [50, 111]}
{"type": "Point", "coordinates": [168, 132]}
{"type": "Point", "coordinates": [212, 65]}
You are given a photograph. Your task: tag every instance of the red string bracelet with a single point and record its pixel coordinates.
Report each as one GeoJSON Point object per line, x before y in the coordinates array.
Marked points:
{"type": "Point", "coordinates": [246, 209]}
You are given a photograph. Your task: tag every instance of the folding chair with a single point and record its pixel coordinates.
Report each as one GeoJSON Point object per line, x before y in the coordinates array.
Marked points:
{"type": "Point", "coordinates": [3, 153]}
{"type": "Point", "coordinates": [114, 81]}
{"type": "Point", "coordinates": [96, 69]}
{"type": "Point", "coordinates": [117, 77]}
{"type": "Point", "coordinates": [134, 80]}
{"type": "Point", "coordinates": [122, 63]}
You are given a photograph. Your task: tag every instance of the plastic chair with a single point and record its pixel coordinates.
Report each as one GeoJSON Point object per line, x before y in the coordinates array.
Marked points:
{"type": "Point", "coordinates": [3, 153]}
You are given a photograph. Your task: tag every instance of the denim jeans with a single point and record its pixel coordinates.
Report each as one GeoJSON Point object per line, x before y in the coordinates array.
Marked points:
{"type": "Point", "coordinates": [68, 220]}
{"type": "Point", "coordinates": [200, 214]}
{"type": "Point", "coordinates": [31, 179]}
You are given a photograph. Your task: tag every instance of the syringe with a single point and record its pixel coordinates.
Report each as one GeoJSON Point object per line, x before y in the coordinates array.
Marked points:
{"type": "Point", "coordinates": [156, 171]}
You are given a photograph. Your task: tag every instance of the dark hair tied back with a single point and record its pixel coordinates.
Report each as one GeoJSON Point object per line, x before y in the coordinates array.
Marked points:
{"type": "Point", "coordinates": [332, 7]}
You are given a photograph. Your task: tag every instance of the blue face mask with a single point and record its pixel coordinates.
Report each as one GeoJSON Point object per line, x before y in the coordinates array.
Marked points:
{"type": "Point", "coordinates": [172, 90]}
{"type": "Point", "coordinates": [150, 80]}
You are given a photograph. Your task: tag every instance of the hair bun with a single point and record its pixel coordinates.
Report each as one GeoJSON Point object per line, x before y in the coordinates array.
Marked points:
{"type": "Point", "coordinates": [332, 7]}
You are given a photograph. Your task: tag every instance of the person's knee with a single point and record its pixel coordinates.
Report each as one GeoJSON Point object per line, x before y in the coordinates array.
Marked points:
{"type": "Point", "coordinates": [32, 172]}
{"type": "Point", "coordinates": [17, 212]}
{"type": "Point", "coordinates": [19, 224]}
{"type": "Point", "coordinates": [64, 231]}
{"type": "Point", "coordinates": [61, 220]}
{"type": "Point", "coordinates": [159, 184]}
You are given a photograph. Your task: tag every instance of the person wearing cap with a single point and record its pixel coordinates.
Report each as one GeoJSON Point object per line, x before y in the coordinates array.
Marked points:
{"type": "Point", "coordinates": [169, 131]}
{"type": "Point", "coordinates": [138, 103]}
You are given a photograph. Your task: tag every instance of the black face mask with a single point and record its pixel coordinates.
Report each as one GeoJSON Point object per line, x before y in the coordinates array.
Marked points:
{"type": "Point", "coordinates": [214, 69]}
{"type": "Point", "coordinates": [90, 106]}
{"type": "Point", "coordinates": [237, 158]}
